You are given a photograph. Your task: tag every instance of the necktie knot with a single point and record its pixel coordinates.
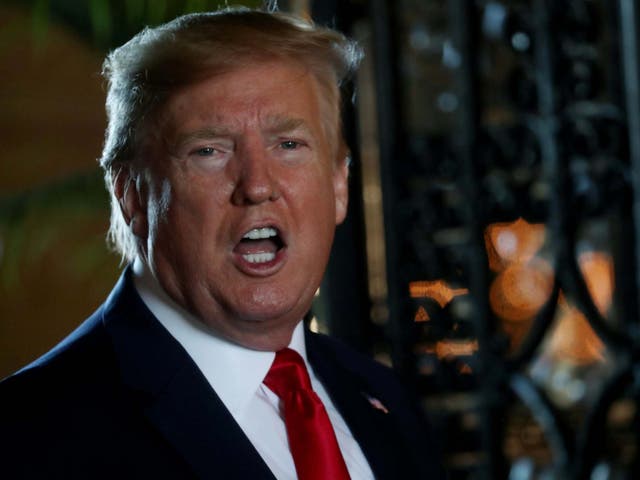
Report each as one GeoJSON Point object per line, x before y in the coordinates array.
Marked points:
{"type": "Point", "coordinates": [288, 374]}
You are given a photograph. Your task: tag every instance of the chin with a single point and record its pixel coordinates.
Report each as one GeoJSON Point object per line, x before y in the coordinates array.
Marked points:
{"type": "Point", "coordinates": [267, 333]}
{"type": "Point", "coordinates": [264, 343]}
{"type": "Point", "coordinates": [266, 317]}
{"type": "Point", "coordinates": [264, 304]}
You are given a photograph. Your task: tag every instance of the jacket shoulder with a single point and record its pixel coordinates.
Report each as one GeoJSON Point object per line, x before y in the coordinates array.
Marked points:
{"type": "Point", "coordinates": [77, 352]}
{"type": "Point", "coordinates": [414, 451]}
{"type": "Point", "coordinates": [60, 378]}
{"type": "Point", "coordinates": [356, 363]}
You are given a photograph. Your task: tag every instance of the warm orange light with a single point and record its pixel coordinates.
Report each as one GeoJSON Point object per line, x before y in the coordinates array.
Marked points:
{"type": "Point", "coordinates": [519, 291]}
{"type": "Point", "coordinates": [438, 290]}
{"type": "Point", "coordinates": [465, 369]}
{"type": "Point", "coordinates": [522, 285]}
{"type": "Point", "coordinates": [515, 242]}
{"type": "Point", "coordinates": [425, 348]}
{"type": "Point", "coordinates": [524, 281]}
{"type": "Point", "coordinates": [597, 268]}
{"type": "Point", "coordinates": [456, 348]}
{"type": "Point", "coordinates": [572, 338]}
{"type": "Point", "coordinates": [421, 315]}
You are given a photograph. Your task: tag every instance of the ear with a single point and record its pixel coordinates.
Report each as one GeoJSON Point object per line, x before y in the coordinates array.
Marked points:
{"type": "Point", "coordinates": [128, 190]}
{"type": "Point", "coordinates": [341, 186]}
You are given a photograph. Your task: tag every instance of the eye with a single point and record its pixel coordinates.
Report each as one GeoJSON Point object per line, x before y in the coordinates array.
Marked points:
{"type": "Point", "coordinates": [205, 151]}
{"type": "Point", "coordinates": [289, 145]}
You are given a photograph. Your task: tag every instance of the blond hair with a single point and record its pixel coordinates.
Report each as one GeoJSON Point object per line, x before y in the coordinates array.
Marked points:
{"type": "Point", "coordinates": [145, 71]}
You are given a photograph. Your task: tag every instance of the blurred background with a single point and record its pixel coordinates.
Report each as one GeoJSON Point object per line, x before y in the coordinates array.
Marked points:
{"type": "Point", "coordinates": [490, 254]}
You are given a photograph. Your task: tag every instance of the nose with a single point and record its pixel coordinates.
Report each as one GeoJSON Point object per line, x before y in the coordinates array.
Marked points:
{"type": "Point", "coordinates": [255, 183]}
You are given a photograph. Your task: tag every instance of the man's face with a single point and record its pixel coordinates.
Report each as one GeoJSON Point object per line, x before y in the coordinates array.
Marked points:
{"type": "Point", "coordinates": [240, 204]}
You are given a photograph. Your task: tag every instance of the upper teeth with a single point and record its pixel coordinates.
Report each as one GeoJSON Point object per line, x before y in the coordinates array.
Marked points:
{"type": "Point", "coordinates": [259, 233]}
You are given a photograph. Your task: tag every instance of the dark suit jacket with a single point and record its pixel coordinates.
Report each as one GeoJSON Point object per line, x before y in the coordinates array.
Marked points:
{"type": "Point", "coordinates": [120, 398]}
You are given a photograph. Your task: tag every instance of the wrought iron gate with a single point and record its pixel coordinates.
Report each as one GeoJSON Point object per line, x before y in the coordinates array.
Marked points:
{"type": "Point", "coordinates": [501, 142]}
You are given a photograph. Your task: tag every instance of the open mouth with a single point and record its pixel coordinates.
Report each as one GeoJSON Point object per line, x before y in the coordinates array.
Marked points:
{"type": "Point", "coordinates": [260, 245]}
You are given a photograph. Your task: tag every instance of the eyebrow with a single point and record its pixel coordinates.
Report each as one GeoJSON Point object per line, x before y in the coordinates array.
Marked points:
{"type": "Point", "coordinates": [206, 133]}
{"type": "Point", "coordinates": [274, 124]}
{"type": "Point", "coordinates": [203, 133]}
{"type": "Point", "coordinates": [281, 124]}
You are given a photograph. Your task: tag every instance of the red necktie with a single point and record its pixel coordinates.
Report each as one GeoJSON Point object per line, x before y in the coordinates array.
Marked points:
{"type": "Point", "coordinates": [312, 440]}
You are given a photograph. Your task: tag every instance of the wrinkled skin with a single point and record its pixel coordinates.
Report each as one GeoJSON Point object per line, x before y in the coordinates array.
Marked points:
{"type": "Point", "coordinates": [242, 150]}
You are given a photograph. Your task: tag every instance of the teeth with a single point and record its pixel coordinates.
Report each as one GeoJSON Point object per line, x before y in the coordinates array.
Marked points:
{"type": "Point", "coordinates": [260, 233]}
{"type": "Point", "coordinates": [259, 257]}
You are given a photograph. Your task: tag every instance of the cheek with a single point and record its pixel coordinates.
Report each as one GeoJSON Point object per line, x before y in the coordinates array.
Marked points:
{"type": "Point", "coordinates": [162, 199]}
{"type": "Point", "coordinates": [158, 204]}
{"type": "Point", "coordinates": [179, 212]}
{"type": "Point", "coordinates": [317, 206]}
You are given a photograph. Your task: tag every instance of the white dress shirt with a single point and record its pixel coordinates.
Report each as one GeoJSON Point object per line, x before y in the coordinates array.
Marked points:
{"type": "Point", "coordinates": [236, 374]}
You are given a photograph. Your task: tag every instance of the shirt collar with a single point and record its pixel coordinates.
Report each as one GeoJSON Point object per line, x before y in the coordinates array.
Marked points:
{"type": "Point", "coordinates": [233, 371]}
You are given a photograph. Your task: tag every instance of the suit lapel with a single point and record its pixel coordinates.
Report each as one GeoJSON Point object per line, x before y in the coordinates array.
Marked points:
{"type": "Point", "coordinates": [192, 417]}
{"type": "Point", "coordinates": [174, 395]}
{"type": "Point", "coordinates": [362, 409]}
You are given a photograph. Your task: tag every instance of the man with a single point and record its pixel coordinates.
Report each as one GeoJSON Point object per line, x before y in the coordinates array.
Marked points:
{"type": "Point", "coordinates": [228, 175]}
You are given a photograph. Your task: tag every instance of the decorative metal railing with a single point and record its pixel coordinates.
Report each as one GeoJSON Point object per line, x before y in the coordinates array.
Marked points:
{"type": "Point", "coordinates": [507, 143]}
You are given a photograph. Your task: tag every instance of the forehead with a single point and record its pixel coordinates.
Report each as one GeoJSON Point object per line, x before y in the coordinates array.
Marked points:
{"type": "Point", "coordinates": [269, 94]}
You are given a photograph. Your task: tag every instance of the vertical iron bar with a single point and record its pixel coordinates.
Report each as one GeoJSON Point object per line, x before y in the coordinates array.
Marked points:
{"type": "Point", "coordinates": [389, 120]}
{"type": "Point", "coordinates": [631, 75]}
{"type": "Point", "coordinates": [346, 284]}
{"type": "Point", "coordinates": [630, 49]}
{"type": "Point", "coordinates": [464, 18]}
{"type": "Point", "coordinates": [547, 125]}
{"type": "Point", "coordinates": [555, 171]}
{"type": "Point", "coordinates": [625, 301]}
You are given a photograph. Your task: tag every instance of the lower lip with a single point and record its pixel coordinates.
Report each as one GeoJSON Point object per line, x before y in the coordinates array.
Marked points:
{"type": "Point", "coordinates": [262, 269]}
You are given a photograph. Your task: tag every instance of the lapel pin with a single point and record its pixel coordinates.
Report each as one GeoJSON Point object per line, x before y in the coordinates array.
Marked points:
{"type": "Point", "coordinates": [377, 404]}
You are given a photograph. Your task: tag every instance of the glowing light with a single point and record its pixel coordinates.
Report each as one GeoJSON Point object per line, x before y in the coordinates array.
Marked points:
{"type": "Point", "coordinates": [513, 242]}
{"type": "Point", "coordinates": [464, 369]}
{"type": "Point", "coordinates": [437, 290]}
{"type": "Point", "coordinates": [524, 281]}
{"type": "Point", "coordinates": [421, 315]}
{"type": "Point", "coordinates": [519, 291]}
{"type": "Point", "coordinates": [597, 268]}
{"type": "Point", "coordinates": [456, 348]}
{"type": "Point", "coordinates": [573, 339]}
{"type": "Point", "coordinates": [507, 243]}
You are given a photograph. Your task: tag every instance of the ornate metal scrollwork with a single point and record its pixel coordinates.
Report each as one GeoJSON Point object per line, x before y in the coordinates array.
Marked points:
{"type": "Point", "coordinates": [512, 174]}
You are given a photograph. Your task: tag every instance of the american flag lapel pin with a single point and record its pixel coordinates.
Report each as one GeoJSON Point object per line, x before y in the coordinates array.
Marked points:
{"type": "Point", "coordinates": [375, 403]}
